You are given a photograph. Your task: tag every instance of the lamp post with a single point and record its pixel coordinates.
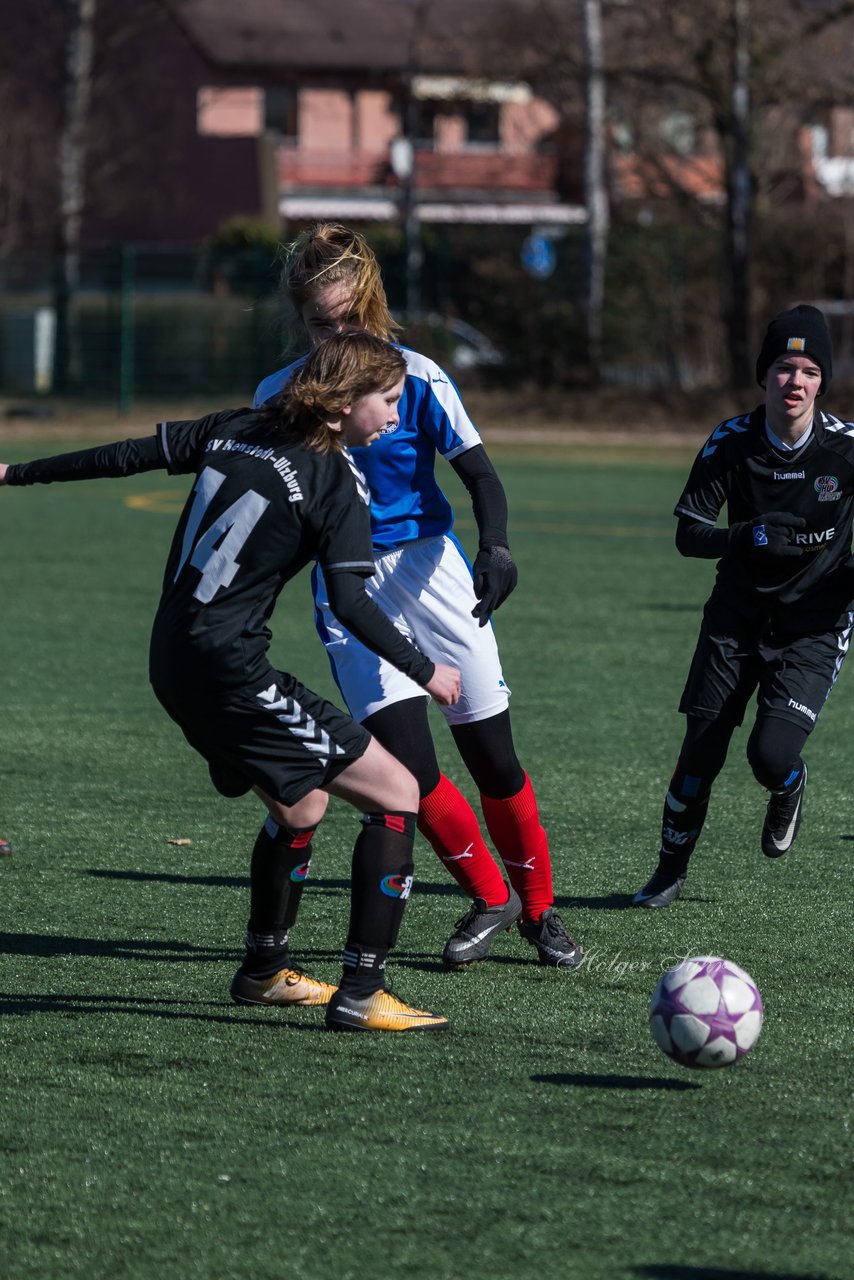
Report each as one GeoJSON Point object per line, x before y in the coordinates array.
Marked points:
{"type": "Point", "coordinates": [403, 166]}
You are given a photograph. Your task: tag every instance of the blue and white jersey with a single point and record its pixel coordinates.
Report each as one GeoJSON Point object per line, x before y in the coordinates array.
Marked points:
{"type": "Point", "coordinates": [406, 501]}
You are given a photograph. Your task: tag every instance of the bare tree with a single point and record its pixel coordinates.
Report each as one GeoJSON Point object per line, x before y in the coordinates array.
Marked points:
{"type": "Point", "coordinates": [595, 189]}
{"type": "Point", "coordinates": [749, 75]}
{"type": "Point", "coordinates": [753, 73]}
{"type": "Point", "coordinates": [22, 171]}
{"type": "Point", "coordinates": [29, 83]}
{"type": "Point", "coordinates": [71, 167]}
{"type": "Point", "coordinates": [87, 118]}
{"type": "Point", "coordinates": [740, 202]}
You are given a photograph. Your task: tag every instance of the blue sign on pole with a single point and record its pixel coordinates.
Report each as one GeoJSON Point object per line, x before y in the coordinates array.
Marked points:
{"type": "Point", "coordinates": [538, 256]}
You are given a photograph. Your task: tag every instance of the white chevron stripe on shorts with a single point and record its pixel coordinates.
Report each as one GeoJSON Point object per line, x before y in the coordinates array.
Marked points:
{"type": "Point", "coordinates": [300, 724]}
{"type": "Point", "coordinates": [843, 640]}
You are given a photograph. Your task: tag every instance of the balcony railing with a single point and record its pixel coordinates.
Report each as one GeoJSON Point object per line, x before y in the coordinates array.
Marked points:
{"type": "Point", "coordinates": [490, 171]}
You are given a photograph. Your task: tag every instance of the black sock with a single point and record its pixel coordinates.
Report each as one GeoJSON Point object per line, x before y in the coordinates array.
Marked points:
{"type": "Point", "coordinates": [381, 884]}
{"type": "Point", "coordinates": [280, 863]}
{"type": "Point", "coordinates": [363, 970]}
{"type": "Point", "coordinates": [791, 783]}
{"type": "Point", "coordinates": [685, 809]}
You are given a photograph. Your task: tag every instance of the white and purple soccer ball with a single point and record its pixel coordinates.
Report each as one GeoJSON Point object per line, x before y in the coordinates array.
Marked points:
{"type": "Point", "coordinates": [705, 1012]}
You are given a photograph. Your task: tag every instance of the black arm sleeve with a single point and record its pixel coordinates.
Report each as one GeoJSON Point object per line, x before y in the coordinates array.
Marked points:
{"type": "Point", "coordinates": [489, 501]}
{"type": "Point", "coordinates": [702, 541]}
{"type": "Point", "coordinates": [353, 606]}
{"type": "Point", "coordinates": [124, 458]}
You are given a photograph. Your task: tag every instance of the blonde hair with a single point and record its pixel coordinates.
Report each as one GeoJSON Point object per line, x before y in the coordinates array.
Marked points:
{"type": "Point", "coordinates": [338, 371]}
{"type": "Point", "coordinates": [329, 253]}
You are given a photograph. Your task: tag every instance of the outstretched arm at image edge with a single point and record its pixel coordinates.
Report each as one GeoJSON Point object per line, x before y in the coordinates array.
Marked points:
{"type": "Point", "coordinates": [122, 458]}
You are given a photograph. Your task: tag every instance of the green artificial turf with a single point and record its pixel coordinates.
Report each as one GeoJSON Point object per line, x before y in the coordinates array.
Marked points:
{"type": "Point", "coordinates": [150, 1128]}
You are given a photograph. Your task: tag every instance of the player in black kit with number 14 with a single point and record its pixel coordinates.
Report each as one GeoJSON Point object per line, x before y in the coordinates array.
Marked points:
{"type": "Point", "coordinates": [275, 489]}
{"type": "Point", "coordinates": [779, 619]}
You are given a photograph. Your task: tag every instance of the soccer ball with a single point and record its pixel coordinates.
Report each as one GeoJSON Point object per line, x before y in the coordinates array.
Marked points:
{"type": "Point", "coordinates": [705, 1012]}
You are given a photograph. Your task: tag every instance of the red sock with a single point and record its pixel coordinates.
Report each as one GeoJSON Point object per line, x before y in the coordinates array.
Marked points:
{"type": "Point", "coordinates": [514, 825]}
{"type": "Point", "coordinates": [448, 821]}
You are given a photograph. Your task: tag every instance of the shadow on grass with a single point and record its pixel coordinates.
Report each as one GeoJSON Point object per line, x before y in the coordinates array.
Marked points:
{"type": "Point", "coordinates": [48, 945]}
{"type": "Point", "coordinates": [317, 883]}
{"type": "Point", "coordinates": [610, 902]}
{"type": "Point", "coordinates": [588, 1080]}
{"type": "Point", "coordinates": [149, 1007]}
{"type": "Point", "coordinates": [614, 902]}
{"type": "Point", "coordinates": [669, 606]}
{"type": "Point", "coordinates": [170, 877]}
{"type": "Point", "coordinates": [677, 1271]}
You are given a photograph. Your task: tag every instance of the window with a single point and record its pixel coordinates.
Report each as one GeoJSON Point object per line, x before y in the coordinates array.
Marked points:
{"type": "Point", "coordinates": [482, 122]}
{"type": "Point", "coordinates": [679, 132]}
{"type": "Point", "coordinates": [228, 112]}
{"type": "Point", "coordinates": [281, 113]}
{"type": "Point", "coordinates": [475, 124]}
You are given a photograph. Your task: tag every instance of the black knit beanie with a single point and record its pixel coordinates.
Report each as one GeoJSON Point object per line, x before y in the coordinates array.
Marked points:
{"type": "Point", "coordinates": [801, 331]}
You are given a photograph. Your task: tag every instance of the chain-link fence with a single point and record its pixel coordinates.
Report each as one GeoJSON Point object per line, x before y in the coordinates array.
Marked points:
{"type": "Point", "coordinates": [143, 322]}
{"type": "Point", "coordinates": [197, 323]}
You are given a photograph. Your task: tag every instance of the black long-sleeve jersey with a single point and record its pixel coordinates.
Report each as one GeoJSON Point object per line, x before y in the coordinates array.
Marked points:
{"type": "Point", "coordinates": [738, 467]}
{"type": "Point", "coordinates": [261, 508]}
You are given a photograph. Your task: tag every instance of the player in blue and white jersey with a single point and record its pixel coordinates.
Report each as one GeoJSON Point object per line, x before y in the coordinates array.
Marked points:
{"type": "Point", "coordinates": [274, 490]}
{"type": "Point", "coordinates": [778, 622]}
{"type": "Point", "coordinates": [425, 585]}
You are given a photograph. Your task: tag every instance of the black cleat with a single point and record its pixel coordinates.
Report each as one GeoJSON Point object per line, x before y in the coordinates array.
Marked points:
{"type": "Point", "coordinates": [475, 932]}
{"type": "Point", "coordinates": [782, 820]}
{"type": "Point", "coordinates": [660, 890]}
{"type": "Point", "coordinates": [554, 945]}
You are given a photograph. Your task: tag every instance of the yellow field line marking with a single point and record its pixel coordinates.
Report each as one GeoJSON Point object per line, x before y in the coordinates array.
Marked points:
{"type": "Point", "coordinates": [168, 502]}
{"type": "Point", "coordinates": [594, 530]}
{"type": "Point", "coordinates": [160, 500]}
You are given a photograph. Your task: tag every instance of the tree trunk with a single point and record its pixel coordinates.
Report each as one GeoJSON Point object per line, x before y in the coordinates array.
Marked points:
{"type": "Point", "coordinates": [71, 164]}
{"type": "Point", "coordinates": [740, 204]}
{"type": "Point", "coordinates": [595, 192]}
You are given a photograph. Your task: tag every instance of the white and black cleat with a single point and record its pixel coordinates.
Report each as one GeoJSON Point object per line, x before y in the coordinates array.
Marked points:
{"type": "Point", "coordinates": [782, 820]}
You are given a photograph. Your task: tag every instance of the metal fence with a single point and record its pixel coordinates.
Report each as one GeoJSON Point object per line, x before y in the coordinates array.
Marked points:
{"type": "Point", "coordinates": [191, 323]}
{"type": "Point", "coordinates": [143, 322]}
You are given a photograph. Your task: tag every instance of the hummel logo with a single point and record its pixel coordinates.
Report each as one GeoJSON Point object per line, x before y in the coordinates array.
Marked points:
{"type": "Point", "coordinates": [732, 425]}
{"type": "Point", "coordinates": [361, 483]}
{"type": "Point", "coordinates": [300, 724]}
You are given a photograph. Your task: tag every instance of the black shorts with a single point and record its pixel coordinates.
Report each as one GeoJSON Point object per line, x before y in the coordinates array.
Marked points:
{"type": "Point", "coordinates": [740, 652]}
{"type": "Point", "coordinates": [283, 738]}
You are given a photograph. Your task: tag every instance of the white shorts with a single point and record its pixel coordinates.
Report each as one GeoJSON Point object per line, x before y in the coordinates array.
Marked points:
{"type": "Point", "coordinates": [426, 589]}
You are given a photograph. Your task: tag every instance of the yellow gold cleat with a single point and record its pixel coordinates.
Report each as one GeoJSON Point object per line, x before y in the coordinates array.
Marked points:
{"type": "Point", "coordinates": [380, 1011]}
{"type": "Point", "coordinates": [286, 987]}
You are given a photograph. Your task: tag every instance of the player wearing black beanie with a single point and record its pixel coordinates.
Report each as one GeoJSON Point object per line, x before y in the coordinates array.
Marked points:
{"type": "Point", "coordinates": [800, 331]}
{"type": "Point", "coordinates": [779, 620]}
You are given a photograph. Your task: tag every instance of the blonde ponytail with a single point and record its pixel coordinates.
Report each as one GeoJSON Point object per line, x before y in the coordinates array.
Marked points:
{"type": "Point", "coordinates": [329, 253]}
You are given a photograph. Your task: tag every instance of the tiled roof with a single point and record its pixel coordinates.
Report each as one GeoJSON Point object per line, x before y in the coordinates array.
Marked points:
{"type": "Point", "coordinates": [380, 36]}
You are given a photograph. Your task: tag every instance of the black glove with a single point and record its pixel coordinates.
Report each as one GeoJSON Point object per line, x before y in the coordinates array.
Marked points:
{"type": "Point", "coordinates": [495, 577]}
{"type": "Point", "coordinates": [772, 535]}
